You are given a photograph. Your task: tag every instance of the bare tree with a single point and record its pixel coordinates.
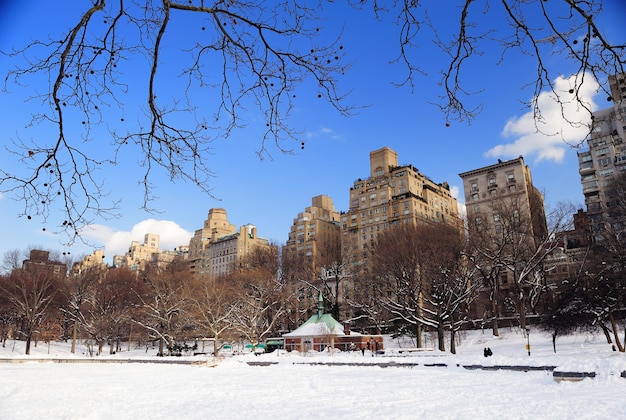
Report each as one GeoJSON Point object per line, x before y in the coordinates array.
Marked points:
{"type": "Point", "coordinates": [424, 278]}
{"type": "Point", "coordinates": [8, 317]}
{"type": "Point", "coordinates": [367, 305]}
{"type": "Point", "coordinates": [334, 274]}
{"type": "Point", "coordinates": [260, 54]}
{"type": "Point", "coordinates": [510, 249]}
{"type": "Point", "coordinates": [212, 305]}
{"type": "Point", "coordinates": [80, 290]}
{"type": "Point", "coordinates": [539, 30]}
{"type": "Point", "coordinates": [260, 304]}
{"type": "Point", "coordinates": [12, 260]}
{"type": "Point", "coordinates": [112, 304]}
{"type": "Point", "coordinates": [251, 54]}
{"type": "Point", "coordinates": [295, 273]}
{"type": "Point", "coordinates": [451, 285]}
{"type": "Point", "coordinates": [395, 266]}
{"type": "Point", "coordinates": [600, 290]}
{"type": "Point", "coordinates": [163, 296]}
{"type": "Point", "coordinates": [32, 296]}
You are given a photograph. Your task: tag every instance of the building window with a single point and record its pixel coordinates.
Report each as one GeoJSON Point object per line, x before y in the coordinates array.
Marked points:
{"type": "Point", "coordinates": [475, 197]}
{"type": "Point", "coordinates": [510, 176]}
{"type": "Point", "coordinates": [606, 172]}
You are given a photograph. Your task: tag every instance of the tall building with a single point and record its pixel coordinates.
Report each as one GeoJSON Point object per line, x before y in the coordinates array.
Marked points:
{"type": "Point", "coordinates": [315, 234]}
{"type": "Point", "coordinates": [314, 244]}
{"type": "Point", "coordinates": [391, 194]}
{"type": "Point", "coordinates": [227, 253]}
{"type": "Point", "coordinates": [139, 255]}
{"type": "Point", "coordinates": [215, 225]}
{"type": "Point", "coordinates": [501, 200]}
{"type": "Point", "coordinates": [91, 261]}
{"type": "Point", "coordinates": [506, 185]}
{"type": "Point", "coordinates": [218, 248]}
{"type": "Point", "coordinates": [605, 157]}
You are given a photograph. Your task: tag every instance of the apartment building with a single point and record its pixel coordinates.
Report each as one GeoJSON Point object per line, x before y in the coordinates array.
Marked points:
{"type": "Point", "coordinates": [391, 194]}
{"type": "Point", "coordinates": [504, 186]}
{"type": "Point", "coordinates": [314, 235]}
{"type": "Point", "coordinates": [218, 248]}
{"type": "Point", "coordinates": [139, 254]}
{"type": "Point", "coordinates": [312, 248]}
{"type": "Point", "coordinates": [39, 263]}
{"type": "Point", "coordinates": [91, 261]}
{"type": "Point", "coordinates": [498, 198]}
{"type": "Point", "coordinates": [605, 158]}
{"type": "Point", "coordinates": [228, 253]}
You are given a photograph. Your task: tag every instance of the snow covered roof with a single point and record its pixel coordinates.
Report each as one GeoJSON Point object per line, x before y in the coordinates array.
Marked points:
{"type": "Point", "coordinates": [317, 326]}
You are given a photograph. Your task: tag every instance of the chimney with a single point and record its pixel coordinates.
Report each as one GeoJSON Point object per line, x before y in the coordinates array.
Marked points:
{"type": "Point", "coordinates": [346, 328]}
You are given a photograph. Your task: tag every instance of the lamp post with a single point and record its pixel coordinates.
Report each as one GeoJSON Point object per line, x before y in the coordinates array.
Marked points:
{"type": "Point", "coordinates": [528, 340]}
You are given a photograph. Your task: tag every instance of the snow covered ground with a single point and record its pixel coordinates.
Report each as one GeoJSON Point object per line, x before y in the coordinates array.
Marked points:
{"type": "Point", "coordinates": [337, 385]}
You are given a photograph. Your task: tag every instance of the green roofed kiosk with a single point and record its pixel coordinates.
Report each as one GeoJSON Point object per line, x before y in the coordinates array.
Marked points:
{"type": "Point", "coordinates": [322, 331]}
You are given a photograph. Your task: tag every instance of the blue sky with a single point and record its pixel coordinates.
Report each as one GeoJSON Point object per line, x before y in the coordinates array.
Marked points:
{"type": "Point", "coordinates": [269, 193]}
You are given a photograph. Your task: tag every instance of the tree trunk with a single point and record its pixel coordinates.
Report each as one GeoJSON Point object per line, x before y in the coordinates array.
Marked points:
{"type": "Point", "coordinates": [441, 337]}
{"type": "Point", "coordinates": [452, 341]}
{"type": "Point", "coordinates": [28, 339]}
{"type": "Point", "coordinates": [161, 353]}
{"type": "Point", "coordinates": [607, 333]}
{"type": "Point", "coordinates": [618, 342]}
{"type": "Point", "coordinates": [494, 315]}
{"type": "Point", "coordinates": [74, 335]}
{"type": "Point", "coordinates": [522, 311]}
{"type": "Point", "coordinates": [554, 339]}
{"type": "Point", "coordinates": [418, 336]}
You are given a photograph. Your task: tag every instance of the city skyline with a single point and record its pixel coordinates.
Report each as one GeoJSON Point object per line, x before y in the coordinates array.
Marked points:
{"type": "Point", "coordinates": [270, 193]}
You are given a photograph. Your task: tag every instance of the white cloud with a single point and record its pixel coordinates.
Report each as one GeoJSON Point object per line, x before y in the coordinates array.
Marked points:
{"type": "Point", "coordinates": [548, 138]}
{"type": "Point", "coordinates": [116, 242]}
{"type": "Point", "coordinates": [455, 191]}
{"type": "Point", "coordinates": [324, 133]}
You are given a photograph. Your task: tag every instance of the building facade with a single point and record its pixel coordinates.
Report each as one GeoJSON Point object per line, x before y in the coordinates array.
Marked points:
{"type": "Point", "coordinates": [139, 255]}
{"type": "Point", "coordinates": [95, 260]}
{"type": "Point", "coordinates": [604, 159]}
{"type": "Point", "coordinates": [391, 194]}
{"type": "Point", "coordinates": [218, 248]}
{"type": "Point", "coordinates": [502, 203]}
{"type": "Point", "coordinates": [312, 249]}
{"type": "Point", "coordinates": [314, 235]}
{"type": "Point", "coordinates": [505, 186]}
{"type": "Point", "coordinates": [39, 264]}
